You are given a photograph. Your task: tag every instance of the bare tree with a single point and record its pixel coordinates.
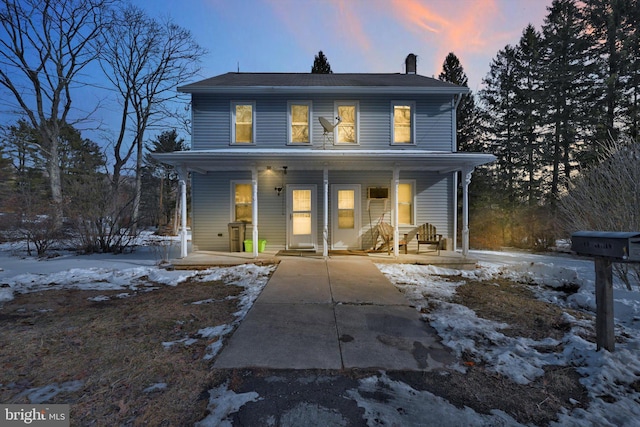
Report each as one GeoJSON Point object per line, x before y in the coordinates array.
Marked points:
{"type": "Point", "coordinates": [606, 197]}
{"type": "Point", "coordinates": [44, 45]}
{"type": "Point", "coordinates": [145, 60]}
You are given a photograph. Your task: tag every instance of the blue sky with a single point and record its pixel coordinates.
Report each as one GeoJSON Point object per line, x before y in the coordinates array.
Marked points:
{"type": "Point", "coordinates": [355, 35]}
{"type": "Point", "coordinates": [363, 36]}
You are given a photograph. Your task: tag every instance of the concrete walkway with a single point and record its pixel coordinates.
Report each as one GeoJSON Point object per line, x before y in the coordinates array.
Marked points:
{"type": "Point", "coordinates": [337, 313]}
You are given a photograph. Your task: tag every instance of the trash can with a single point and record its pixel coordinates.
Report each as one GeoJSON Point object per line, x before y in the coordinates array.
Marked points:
{"type": "Point", "coordinates": [248, 245]}
{"type": "Point", "coordinates": [236, 236]}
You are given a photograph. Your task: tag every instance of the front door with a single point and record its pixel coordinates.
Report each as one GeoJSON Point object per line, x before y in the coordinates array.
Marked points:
{"type": "Point", "coordinates": [301, 227]}
{"type": "Point", "coordinates": [345, 216]}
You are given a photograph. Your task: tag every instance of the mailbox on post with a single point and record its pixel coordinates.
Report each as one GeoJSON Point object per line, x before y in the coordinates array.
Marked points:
{"type": "Point", "coordinates": [618, 246]}
{"type": "Point", "coordinates": [606, 247]}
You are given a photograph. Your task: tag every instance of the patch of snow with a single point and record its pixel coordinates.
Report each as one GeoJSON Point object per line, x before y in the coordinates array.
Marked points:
{"type": "Point", "coordinates": [155, 387]}
{"type": "Point", "coordinates": [215, 331]}
{"type": "Point", "coordinates": [46, 393]}
{"type": "Point", "coordinates": [608, 377]}
{"type": "Point", "coordinates": [6, 294]}
{"type": "Point", "coordinates": [224, 402]}
{"type": "Point", "coordinates": [402, 405]}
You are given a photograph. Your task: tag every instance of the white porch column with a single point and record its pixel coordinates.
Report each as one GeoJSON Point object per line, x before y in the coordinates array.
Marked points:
{"type": "Point", "coordinates": [396, 232]}
{"type": "Point", "coordinates": [466, 180]}
{"type": "Point", "coordinates": [254, 213]}
{"type": "Point", "coordinates": [182, 176]}
{"type": "Point", "coordinates": [325, 226]}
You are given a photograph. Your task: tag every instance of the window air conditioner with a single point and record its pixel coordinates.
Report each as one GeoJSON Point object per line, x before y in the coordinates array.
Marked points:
{"type": "Point", "coordinates": [377, 193]}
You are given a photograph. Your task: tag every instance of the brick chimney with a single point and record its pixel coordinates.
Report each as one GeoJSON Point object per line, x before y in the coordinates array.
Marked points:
{"type": "Point", "coordinates": [410, 64]}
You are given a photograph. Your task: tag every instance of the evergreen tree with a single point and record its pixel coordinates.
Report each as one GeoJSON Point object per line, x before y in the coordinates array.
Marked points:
{"type": "Point", "coordinates": [630, 79]}
{"type": "Point", "coordinates": [500, 133]}
{"type": "Point", "coordinates": [321, 64]}
{"type": "Point", "coordinates": [570, 88]}
{"type": "Point", "coordinates": [606, 26]}
{"type": "Point", "coordinates": [527, 109]}
{"type": "Point", "coordinates": [466, 117]}
{"type": "Point", "coordinates": [498, 101]}
{"type": "Point", "coordinates": [161, 180]}
{"type": "Point", "coordinates": [29, 166]}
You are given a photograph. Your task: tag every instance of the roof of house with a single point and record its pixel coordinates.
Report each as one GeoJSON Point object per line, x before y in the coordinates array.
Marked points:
{"type": "Point", "coordinates": [308, 82]}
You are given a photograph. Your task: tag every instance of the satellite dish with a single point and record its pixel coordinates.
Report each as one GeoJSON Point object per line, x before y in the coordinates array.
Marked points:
{"type": "Point", "coordinates": [327, 125]}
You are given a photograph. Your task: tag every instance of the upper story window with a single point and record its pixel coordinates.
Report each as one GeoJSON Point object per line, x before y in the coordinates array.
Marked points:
{"type": "Point", "coordinates": [403, 129]}
{"type": "Point", "coordinates": [299, 117]}
{"type": "Point", "coordinates": [347, 130]}
{"type": "Point", "coordinates": [243, 121]}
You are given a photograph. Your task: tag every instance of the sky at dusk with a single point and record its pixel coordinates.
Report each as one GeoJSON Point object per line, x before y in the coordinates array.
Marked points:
{"type": "Point", "coordinates": [359, 36]}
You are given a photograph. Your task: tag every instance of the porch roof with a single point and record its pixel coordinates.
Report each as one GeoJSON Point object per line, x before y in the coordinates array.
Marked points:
{"type": "Point", "coordinates": [231, 159]}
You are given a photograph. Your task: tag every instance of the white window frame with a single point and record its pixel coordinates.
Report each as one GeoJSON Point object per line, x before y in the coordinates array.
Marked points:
{"type": "Point", "coordinates": [412, 105]}
{"type": "Point", "coordinates": [232, 192]}
{"type": "Point", "coordinates": [411, 182]}
{"type": "Point", "coordinates": [355, 104]}
{"type": "Point", "coordinates": [290, 141]}
{"type": "Point", "coordinates": [233, 122]}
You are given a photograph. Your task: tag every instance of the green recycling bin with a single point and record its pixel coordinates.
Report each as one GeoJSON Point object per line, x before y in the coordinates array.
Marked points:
{"type": "Point", "coordinates": [248, 245]}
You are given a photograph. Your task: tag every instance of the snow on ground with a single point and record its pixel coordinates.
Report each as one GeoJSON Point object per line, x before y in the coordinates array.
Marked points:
{"type": "Point", "coordinates": [607, 376]}
{"type": "Point", "coordinates": [415, 404]}
{"type": "Point", "coordinates": [137, 271]}
{"type": "Point", "coordinates": [604, 373]}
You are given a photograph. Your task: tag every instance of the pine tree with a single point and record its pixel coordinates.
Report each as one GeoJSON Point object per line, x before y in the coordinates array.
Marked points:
{"type": "Point", "coordinates": [528, 110]}
{"type": "Point", "coordinates": [159, 205]}
{"type": "Point", "coordinates": [630, 78]}
{"type": "Point", "coordinates": [498, 115]}
{"type": "Point", "coordinates": [321, 64]}
{"type": "Point", "coordinates": [466, 117]}
{"type": "Point", "coordinates": [606, 24]}
{"type": "Point", "coordinates": [500, 132]}
{"type": "Point", "coordinates": [570, 90]}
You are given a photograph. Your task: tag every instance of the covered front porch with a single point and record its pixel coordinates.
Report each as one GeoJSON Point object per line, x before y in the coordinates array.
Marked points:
{"type": "Point", "coordinates": [207, 259]}
{"type": "Point", "coordinates": [392, 162]}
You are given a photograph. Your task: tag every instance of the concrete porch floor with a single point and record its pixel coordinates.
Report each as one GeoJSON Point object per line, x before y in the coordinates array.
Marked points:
{"type": "Point", "coordinates": [206, 259]}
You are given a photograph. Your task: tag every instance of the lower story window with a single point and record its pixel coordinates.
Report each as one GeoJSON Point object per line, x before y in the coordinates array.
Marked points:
{"type": "Point", "coordinates": [405, 203]}
{"type": "Point", "coordinates": [243, 198]}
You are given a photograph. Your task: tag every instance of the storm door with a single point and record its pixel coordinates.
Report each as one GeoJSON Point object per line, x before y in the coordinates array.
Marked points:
{"type": "Point", "coordinates": [345, 216]}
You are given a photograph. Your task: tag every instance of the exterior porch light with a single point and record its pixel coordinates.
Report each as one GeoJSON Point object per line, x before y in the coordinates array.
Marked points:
{"type": "Point", "coordinates": [278, 190]}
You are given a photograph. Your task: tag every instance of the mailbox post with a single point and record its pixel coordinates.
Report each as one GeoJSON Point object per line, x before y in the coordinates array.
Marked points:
{"type": "Point", "coordinates": [606, 248]}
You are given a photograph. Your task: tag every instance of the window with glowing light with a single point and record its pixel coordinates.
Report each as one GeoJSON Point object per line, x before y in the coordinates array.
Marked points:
{"type": "Point", "coordinates": [406, 203]}
{"type": "Point", "coordinates": [403, 123]}
{"type": "Point", "coordinates": [347, 130]}
{"type": "Point", "coordinates": [299, 117]}
{"type": "Point", "coordinates": [346, 209]}
{"type": "Point", "coordinates": [301, 215]}
{"type": "Point", "coordinates": [242, 202]}
{"type": "Point", "coordinates": [243, 122]}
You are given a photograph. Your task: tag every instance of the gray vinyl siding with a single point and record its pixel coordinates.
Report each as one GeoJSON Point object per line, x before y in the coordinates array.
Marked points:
{"type": "Point", "coordinates": [212, 204]}
{"type": "Point", "coordinates": [212, 120]}
{"type": "Point", "coordinates": [434, 203]}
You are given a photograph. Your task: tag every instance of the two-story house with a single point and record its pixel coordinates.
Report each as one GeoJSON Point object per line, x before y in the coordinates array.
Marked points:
{"type": "Point", "coordinates": [316, 161]}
